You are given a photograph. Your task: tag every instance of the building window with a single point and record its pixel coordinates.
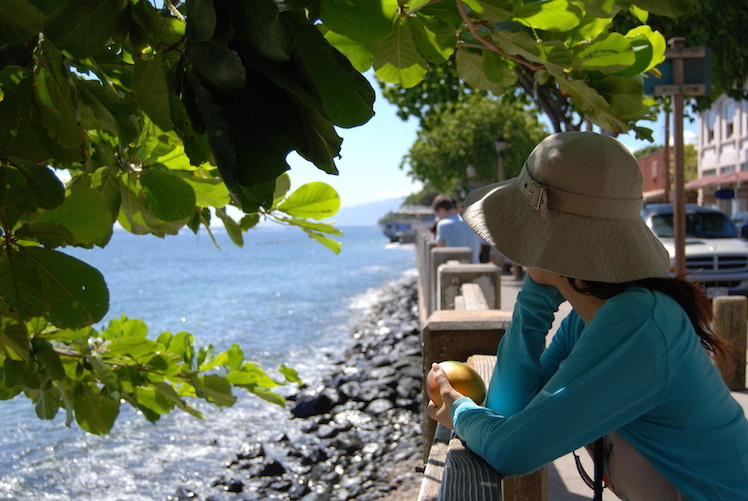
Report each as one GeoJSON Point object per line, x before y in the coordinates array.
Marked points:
{"type": "Point", "coordinates": [654, 169]}
{"type": "Point", "coordinates": [710, 118]}
{"type": "Point", "coordinates": [709, 172]}
{"type": "Point", "coordinates": [729, 119]}
{"type": "Point", "coordinates": [727, 170]}
{"type": "Point", "coordinates": [744, 166]}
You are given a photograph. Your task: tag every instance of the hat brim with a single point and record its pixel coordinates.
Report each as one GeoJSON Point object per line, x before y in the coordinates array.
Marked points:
{"type": "Point", "coordinates": [587, 248]}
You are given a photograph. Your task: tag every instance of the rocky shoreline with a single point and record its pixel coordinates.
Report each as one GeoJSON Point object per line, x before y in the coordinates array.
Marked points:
{"type": "Point", "coordinates": [357, 435]}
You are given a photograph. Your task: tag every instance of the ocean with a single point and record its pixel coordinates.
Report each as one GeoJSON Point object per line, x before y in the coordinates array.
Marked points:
{"type": "Point", "coordinates": [283, 298]}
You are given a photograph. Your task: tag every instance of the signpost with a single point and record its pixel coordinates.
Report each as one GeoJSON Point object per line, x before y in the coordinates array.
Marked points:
{"type": "Point", "coordinates": [686, 72]}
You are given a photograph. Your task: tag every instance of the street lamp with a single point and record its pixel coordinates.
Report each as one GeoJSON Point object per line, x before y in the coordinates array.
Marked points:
{"type": "Point", "coordinates": [500, 144]}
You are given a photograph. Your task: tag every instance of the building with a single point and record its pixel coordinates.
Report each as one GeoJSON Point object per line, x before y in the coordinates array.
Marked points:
{"type": "Point", "coordinates": [723, 156]}
{"type": "Point", "coordinates": [655, 176]}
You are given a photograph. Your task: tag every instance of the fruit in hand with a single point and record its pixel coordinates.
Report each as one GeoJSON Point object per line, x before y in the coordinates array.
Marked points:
{"type": "Point", "coordinates": [462, 377]}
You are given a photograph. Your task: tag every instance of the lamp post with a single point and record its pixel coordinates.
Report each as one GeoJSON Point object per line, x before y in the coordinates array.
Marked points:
{"type": "Point", "coordinates": [500, 144]}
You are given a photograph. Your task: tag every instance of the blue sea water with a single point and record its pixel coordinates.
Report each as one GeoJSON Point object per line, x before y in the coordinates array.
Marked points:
{"type": "Point", "coordinates": [283, 298]}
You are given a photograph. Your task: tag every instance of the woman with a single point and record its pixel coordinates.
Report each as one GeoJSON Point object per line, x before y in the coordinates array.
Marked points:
{"type": "Point", "coordinates": [630, 364]}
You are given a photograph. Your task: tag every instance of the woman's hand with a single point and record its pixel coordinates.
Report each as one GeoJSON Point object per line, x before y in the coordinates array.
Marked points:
{"type": "Point", "coordinates": [443, 413]}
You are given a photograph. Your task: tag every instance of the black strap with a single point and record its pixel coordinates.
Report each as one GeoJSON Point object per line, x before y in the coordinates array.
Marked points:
{"type": "Point", "coordinates": [599, 457]}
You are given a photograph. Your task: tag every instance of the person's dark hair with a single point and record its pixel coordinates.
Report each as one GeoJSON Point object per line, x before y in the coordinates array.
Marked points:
{"type": "Point", "coordinates": [689, 295]}
{"type": "Point", "coordinates": [443, 202]}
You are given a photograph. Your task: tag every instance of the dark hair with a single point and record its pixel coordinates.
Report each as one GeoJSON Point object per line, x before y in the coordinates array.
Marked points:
{"type": "Point", "coordinates": [443, 202]}
{"type": "Point", "coordinates": [689, 295]}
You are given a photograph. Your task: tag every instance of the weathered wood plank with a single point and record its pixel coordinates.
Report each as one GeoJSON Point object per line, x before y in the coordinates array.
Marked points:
{"type": "Point", "coordinates": [473, 297]}
{"type": "Point", "coordinates": [460, 303]}
{"type": "Point", "coordinates": [434, 471]}
{"type": "Point", "coordinates": [730, 317]}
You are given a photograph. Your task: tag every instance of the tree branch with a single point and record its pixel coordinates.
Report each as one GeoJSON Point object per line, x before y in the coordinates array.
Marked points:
{"type": "Point", "coordinates": [489, 44]}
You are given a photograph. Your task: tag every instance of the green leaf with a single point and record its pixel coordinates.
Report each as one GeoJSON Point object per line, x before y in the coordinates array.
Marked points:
{"type": "Point", "coordinates": [135, 348]}
{"type": "Point", "coordinates": [470, 69]}
{"type": "Point", "coordinates": [107, 181]}
{"type": "Point", "coordinates": [496, 70]}
{"type": "Point", "coordinates": [347, 97]}
{"type": "Point", "coordinates": [151, 90]}
{"type": "Point", "coordinates": [361, 20]}
{"type": "Point", "coordinates": [214, 388]}
{"type": "Point", "coordinates": [313, 200]}
{"type": "Point", "coordinates": [282, 185]}
{"type": "Point", "coordinates": [358, 53]}
{"type": "Point", "coordinates": [397, 59]}
{"type": "Point", "coordinates": [269, 396]}
{"type": "Point", "coordinates": [435, 39]}
{"type": "Point", "coordinates": [249, 221]}
{"type": "Point", "coordinates": [641, 15]}
{"type": "Point", "coordinates": [649, 53]}
{"type": "Point", "coordinates": [319, 227]}
{"type": "Point", "coordinates": [220, 66]}
{"type": "Point", "coordinates": [43, 184]}
{"type": "Point", "coordinates": [153, 400]}
{"type": "Point", "coordinates": [76, 292]}
{"type": "Point", "coordinates": [106, 110]}
{"type": "Point", "coordinates": [49, 357]}
{"type": "Point", "coordinates": [670, 8]}
{"type": "Point", "coordinates": [82, 27]}
{"type": "Point", "coordinates": [257, 24]}
{"type": "Point", "coordinates": [168, 392]}
{"type": "Point", "coordinates": [251, 373]}
{"type": "Point", "coordinates": [495, 11]}
{"type": "Point", "coordinates": [48, 403]}
{"type": "Point", "coordinates": [105, 373]}
{"type": "Point", "coordinates": [19, 21]}
{"type": "Point", "coordinates": [95, 410]}
{"type": "Point", "coordinates": [201, 20]}
{"type": "Point", "coordinates": [14, 340]}
{"type": "Point", "coordinates": [169, 197]}
{"type": "Point", "coordinates": [209, 192]}
{"type": "Point", "coordinates": [232, 228]}
{"type": "Point", "coordinates": [625, 96]}
{"type": "Point", "coordinates": [84, 213]}
{"type": "Point", "coordinates": [48, 234]}
{"type": "Point", "coordinates": [609, 54]}
{"type": "Point", "coordinates": [291, 375]}
{"type": "Point", "coordinates": [331, 244]}
{"type": "Point", "coordinates": [55, 97]}
{"type": "Point", "coordinates": [21, 290]}
{"type": "Point", "coordinates": [549, 15]}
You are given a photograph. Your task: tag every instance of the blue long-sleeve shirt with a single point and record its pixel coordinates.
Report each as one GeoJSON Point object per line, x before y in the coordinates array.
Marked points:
{"type": "Point", "coordinates": [637, 367]}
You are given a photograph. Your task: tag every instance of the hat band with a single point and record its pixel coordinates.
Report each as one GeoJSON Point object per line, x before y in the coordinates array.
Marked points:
{"type": "Point", "coordinates": [541, 197]}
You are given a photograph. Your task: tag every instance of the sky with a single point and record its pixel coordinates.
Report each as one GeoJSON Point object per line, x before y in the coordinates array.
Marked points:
{"type": "Point", "coordinates": [372, 153]}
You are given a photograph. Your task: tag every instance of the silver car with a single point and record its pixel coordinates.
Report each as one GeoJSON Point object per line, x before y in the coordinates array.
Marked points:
{"type": "Point", "coordinates": [715, 254]}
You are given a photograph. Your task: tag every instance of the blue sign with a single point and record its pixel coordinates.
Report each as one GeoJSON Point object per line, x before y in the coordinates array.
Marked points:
{"type": "Point", "coordinates": [724, 194]}
{"type": "Point", "coordinates": [695, 71]}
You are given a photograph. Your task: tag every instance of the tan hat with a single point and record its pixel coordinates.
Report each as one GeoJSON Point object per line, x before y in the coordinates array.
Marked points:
{"type": "Point", "coordinates": [574, 209]}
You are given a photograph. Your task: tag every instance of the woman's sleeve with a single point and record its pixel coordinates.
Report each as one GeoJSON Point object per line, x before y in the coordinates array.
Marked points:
{"type": "Point", "coordinates": [517, 374]}
{"type": "Point", "coordinates": [614, 374]}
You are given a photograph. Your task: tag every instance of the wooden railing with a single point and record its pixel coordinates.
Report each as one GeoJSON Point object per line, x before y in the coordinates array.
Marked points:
{"type": "Point", "coordinates": [461, 320]}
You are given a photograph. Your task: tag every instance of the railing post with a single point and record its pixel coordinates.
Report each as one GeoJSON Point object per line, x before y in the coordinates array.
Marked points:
{"type": "Point", "coordinates": [450, 278]}
{"type": "Point", "coordinates": [456, 335]}
{"type": "Point", "coordinates": [731, 325]}
{"type": "Point", "coordinates": [439, 256]}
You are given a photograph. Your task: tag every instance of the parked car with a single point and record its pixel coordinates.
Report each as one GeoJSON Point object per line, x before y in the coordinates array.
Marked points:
{"type": "Point", "coordinates": [741, 222]}
{"type": "Point", "coordinates": [715, 254]}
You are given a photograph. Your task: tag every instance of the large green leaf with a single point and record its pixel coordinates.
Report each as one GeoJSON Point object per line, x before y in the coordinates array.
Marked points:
{"type": "Point", "coordinates": [84, 213]}
{"type": "Point", "coordinates": [649, 48]}
{"type": "Point", "coordinates": [258, 25]}
{"type": "Point", "coordinates": [14, 340]}
{"type": "Point", "coordinates": [20, 286]}
{"type": "Point", "coordinates": [361, 20]}
{"type": "Point", "coordinates": [75, 291]}
{"type": "Point", "coordinates": [95, 410]}
{"type": "Point", "coordinates": [209, 191]}
{"type": "Point", "coordinates": [48, 402]}
{"type": "Point", "coordinates": [169, 197]}
{"type": "Point", "coordinates": [313, 200]}
{"type": "Point", "coordinates": [609, 54]}
{"type": "Point", "coordinates": [549, 15]}
{"type": "Point", "coordinates": [491, 10]}
{"type": "Point", "coordinates": [220, 66]}
{"type": "Point", "coordinates": [55, 97]}
{"type": "Point", "coordinates": [435, 39]}
{"type": "Point", "coordinates": [43, 184]}
{"type": "Point", "coordinates": [232, 227]}
{"type": "Point", "coordinates": [331, 244]}
{"type": "Point", "coordinates": [317, 227]}
{"type": "Point", "coordinates": [358, 53]}
{"type": "Point", "coordinates": [470, 67]}
{"type": "Point", "coordinates": [214, 388]}
{"type": "Point", "coordinates": [82, 27]}
{"type": "Point", "coordinates": [397, 59]}
{"type": "Point", "coordinates": [106, 110]}
{"type": "Point", "coordinates": [347, 97]}
{"type": "Point", "coordinates": [151, 90]}
{"type": "Point", "coordinates": [201, 20]}
{"type": "Point", "coordinates": [19, 21]}
{"type": "Point", "coordinates": [625, 97]}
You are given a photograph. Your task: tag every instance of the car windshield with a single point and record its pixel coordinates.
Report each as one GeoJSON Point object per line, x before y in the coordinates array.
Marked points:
{"type": "Point", "coordinates": [698, 225]}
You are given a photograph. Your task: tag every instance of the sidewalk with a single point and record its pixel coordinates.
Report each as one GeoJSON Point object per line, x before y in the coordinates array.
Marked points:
{"type": "Point", "coordinates": [564, 481]}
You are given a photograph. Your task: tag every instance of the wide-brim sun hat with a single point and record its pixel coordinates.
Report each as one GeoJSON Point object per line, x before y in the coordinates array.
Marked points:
{"type": "Point", "coordinates": [574, 209]}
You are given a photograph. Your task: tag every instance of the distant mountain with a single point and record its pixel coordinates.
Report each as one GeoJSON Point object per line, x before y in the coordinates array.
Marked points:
{"type": "Point", "coordinates": [366, 214]}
